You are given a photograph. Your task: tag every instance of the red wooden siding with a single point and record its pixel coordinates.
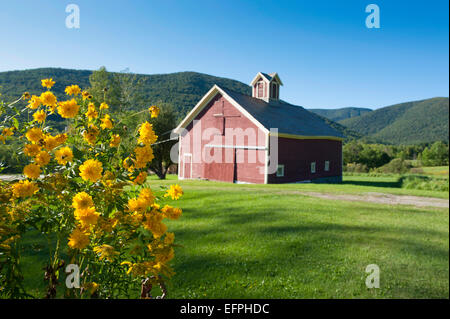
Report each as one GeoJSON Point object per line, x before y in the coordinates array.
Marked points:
{"type": "Point", "coordinates": [229, 172]}
{"type": "Point", "coordinates": [297, 155]}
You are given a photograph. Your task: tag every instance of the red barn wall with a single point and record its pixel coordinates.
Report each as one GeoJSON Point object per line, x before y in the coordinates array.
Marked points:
{"type": "Point", "coordinates": [297, 154]}
{"type": "Point", "coordinates": [229, 172]}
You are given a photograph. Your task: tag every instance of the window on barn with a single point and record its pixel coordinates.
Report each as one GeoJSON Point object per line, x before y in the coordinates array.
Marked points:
{"type": "Point", "coordinates": [313, 167]}
{"type": "Point", "coordinates": [280, 171]}
{"type": "Point", "coordinates": [260, 89]}
{"type": "Point", "coordinates": [274, 91]}
{"type": "Point", "coordinates": [327, 166]}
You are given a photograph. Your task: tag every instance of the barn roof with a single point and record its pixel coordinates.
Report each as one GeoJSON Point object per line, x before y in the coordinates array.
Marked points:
{"type": "Point", "coordinates": [292, 120]}
{"type": "Point", "coordinates": [288, 118]}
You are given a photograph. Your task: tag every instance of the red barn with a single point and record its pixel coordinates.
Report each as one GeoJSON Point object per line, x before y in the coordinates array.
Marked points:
{"type": "Point", "coordinates": [233, 137]}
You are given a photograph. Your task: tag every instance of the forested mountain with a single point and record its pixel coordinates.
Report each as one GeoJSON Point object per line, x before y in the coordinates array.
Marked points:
{"type": "Point", "coordinates": [415, 122]}
{"type": "Point", "coordinates": [337, 115]}
{"type": "Point", "coordinates": [406, 123]}
{"type": "Point", "coordinates": [182, 90]}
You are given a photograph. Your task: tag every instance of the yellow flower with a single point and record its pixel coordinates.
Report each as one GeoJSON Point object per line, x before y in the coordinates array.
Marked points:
{"type": "Point", "coordinates": [5, 133]}
{"type": "Point", "coordinates": [64, 155]}
{"type": "Point", "coordinates": [91, 287]}
{"type": "Point", "coordinates": [47, 83]}
{"type": "Point", "coordinates": [91, 170]}
{"type": "Point", "coordinates": [24, 188]}
{"type": "Point", "coordinates": [91, 113]}
{"type": "Point", "coordinates": [115, 140]}
{"type": "Point", "coordinates": [34, 103]}
{"type": "Point", "coordinates": [104, 106]}
{"type": "Point", "coordinates": [51, 142]}
{"type": "Point", "coordinates": [82, 200]}
{"type": "Point", "coordinates": [128, 164]}
{"type": "Point", "coordinates": [147, 196]}
{"type": "Point", "coordinates": [154, 110]}
{"type": "Point", "coordinates": [42, 158]}
{"type": "Point", "coordinates": [78, 239]}
{"type": "Point", "coordinates": [40, 116]}
{"type": "Point", "coordinates": [31, 149]}
{"type": "Point", "coordinates": [169, 239]}
{"type": "Point", "coordinates": [34, 134]}
{"type": "Point", "coordinates": [48, 99]}
{"type": "Point", "coordinates": [90, 135]}
{"type": "Point", "coordinates": [140, 179]}
{"type": "Point", "coordinates": [171, 212]}
{"type": "Point", "coordinates": [146, 134]}
{"type": "Point", "coordinates": [153, 223]}
{"type": "Point", "coordinates": [87, 216]}
{"type": "Point", "coordinates": [26, 96]}
{"type": "Point", "coordinates": [106, 122]}
{"type": "Point", "coordinates": [174, 191]}
{"type": "Point", "coordinates": [68, 109]}
{"type": "Point", "coordinates": [86, 95]}
{"type": "Point", "coordinates": [138, 205]}
{"type": "Point", "coordinates": [73, 90]}
{"type": "Point", "coordinates": [105, 252]}
{"type": "Point", "coordinates": [144, 155]}
{"type": "Point", "coordinates": [32, 171]}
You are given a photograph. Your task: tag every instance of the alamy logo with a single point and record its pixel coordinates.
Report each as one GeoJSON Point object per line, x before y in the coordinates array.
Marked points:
{"type": "Point", "coordinates": [73, 19]}
{"type": "Point", "coordinates": [73, 277]}
{"type": "Point", "coordinates": [373, 19]}
{"type": "Point", "coordinates": [373, 279]}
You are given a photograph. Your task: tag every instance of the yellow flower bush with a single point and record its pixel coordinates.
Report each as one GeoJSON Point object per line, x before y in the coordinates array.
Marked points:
{"type": "Point", "coordinates": [83, 191]}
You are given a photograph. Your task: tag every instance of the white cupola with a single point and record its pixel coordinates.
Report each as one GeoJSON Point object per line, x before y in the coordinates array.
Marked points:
{"type": "Point", "coordinates": [266, 86]}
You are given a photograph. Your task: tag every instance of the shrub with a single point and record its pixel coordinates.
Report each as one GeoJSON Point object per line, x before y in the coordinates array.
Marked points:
{"type": "Point", "coordinates": [356, 168]}
{"type": "Point", "coordinates": [425, 183]}
{"type": "Point", "coordinates": [396, 166]}
{"type": "Point", "coordinates": [82, 188]}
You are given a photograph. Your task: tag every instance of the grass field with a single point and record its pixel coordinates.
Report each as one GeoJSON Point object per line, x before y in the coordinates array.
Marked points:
{"type": "Point", "coordinates": [267, 241]}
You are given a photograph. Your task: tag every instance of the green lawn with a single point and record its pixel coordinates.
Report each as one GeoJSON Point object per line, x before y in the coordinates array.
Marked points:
{"type": "Point", "coordinates": [267, 241]}
{"type": "Point", "coordinates": [436, 170]}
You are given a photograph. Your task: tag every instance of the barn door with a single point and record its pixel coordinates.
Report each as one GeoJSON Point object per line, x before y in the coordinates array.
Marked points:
{"type": "Point", "coordinates": [187, 166]}
{"type": "Point", "coordinates": [221, 171]}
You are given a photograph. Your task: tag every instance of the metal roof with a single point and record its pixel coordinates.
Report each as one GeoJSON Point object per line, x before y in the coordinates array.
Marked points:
{"type": "Point", "coordinates": [288, 118]}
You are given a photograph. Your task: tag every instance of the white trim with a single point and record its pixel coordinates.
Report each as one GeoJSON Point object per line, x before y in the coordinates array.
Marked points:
{"type": "Point", "coordinates": [206, 99]}
{"type": "Point", "coordinates": [259, 74]}
{"type": "Point", "coordinates": [266, 164]}
{"type": "Point", "coordinates": [311, 168]}
{"type": "Point", "coordinates": [238, 147]}
{"type": "Point", "coordinates": [179, 157]}
{"type": "Point", "coordinates": [256, 78]}
{"type": "Point", "coordinates": [184, 163]}
{"type": "Point", "coordinates": [191, 115]}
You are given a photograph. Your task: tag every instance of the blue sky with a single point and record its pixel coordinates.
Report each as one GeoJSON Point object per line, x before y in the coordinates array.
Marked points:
{"type": "Point", "coordinates": [322, 50]}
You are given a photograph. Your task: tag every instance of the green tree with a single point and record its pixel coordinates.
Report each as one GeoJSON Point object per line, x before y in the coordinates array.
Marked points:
{"type": "Point", "coordinates": [436, 155]}
{"type": "Point", "coordinates": [163, 125]}
{"type": "Point", "coordinates": [121, 91]}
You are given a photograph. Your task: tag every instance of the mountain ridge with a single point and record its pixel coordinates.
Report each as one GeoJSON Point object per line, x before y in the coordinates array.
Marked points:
{"type": "Point", "coordinates": [414, 122]}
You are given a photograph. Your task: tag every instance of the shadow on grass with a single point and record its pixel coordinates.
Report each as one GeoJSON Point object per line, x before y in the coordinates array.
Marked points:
{"type": "Point", "coordinates": [396, 184]}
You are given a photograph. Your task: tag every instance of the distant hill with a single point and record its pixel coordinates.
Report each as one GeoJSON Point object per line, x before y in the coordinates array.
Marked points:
{"type": "Point", "coordinates": [183, 89]}
{"type": "Point", "coordinates": [337, 115]}
{"type": "Point", "coordinates": [407, 123]}
{"type": "Point", "coordinates": [415, 122]}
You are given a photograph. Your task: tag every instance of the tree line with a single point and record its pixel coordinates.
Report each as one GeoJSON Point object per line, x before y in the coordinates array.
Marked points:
{"type": "Point", "coordinates": [362, 157]}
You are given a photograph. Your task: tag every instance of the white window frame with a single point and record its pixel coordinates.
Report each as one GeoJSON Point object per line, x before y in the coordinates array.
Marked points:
{"type": "Point", "coordinates": [313, 167]}
{"type": "Point", "coordinates": [263, 89]}
{"type": "Point", "coordinates": [327, 166]}
{"type": "Point", "coordinates": [282, 167]}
